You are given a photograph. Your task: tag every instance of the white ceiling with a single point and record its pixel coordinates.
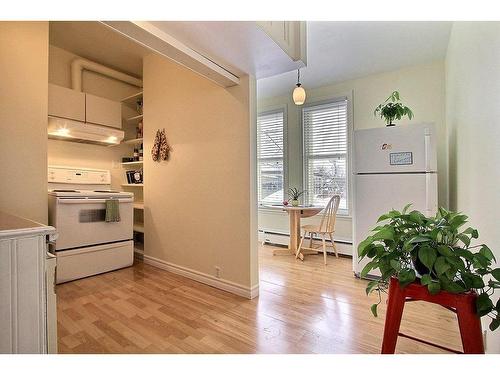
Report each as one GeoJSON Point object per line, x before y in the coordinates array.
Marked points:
{"type": "Point", "coordinates": [340, 51]}
{"type": "Point", "coordinates": [240, 47]}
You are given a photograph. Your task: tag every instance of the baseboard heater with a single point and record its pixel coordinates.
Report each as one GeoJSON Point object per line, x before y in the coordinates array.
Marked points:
{"type": "Point", "coordinates": [344, 247]}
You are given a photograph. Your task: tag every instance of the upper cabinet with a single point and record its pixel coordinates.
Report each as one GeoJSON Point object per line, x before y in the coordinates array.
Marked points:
{"type": "Point", "coordinates": [102, 111]}
{"type": "Point", "coordinates": [80, 106]}
{"type": "Point", "coordinates": [291, 36]}
{"type": "Point", "coordinates": [66, 103]}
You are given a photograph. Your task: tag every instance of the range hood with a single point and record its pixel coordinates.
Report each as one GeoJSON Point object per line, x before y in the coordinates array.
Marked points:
{"type": "Point", "coordinates": [83, 132]}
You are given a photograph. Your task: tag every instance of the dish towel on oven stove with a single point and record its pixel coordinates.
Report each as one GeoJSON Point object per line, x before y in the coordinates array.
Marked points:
{"type": "Point", "coordinates": [112, 210]}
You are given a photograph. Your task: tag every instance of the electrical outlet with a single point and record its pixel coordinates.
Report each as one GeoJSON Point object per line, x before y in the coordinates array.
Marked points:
{"type": "Point", "coordinates": [217, 272]}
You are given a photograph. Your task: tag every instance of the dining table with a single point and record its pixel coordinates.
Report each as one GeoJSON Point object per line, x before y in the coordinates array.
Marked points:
{"type": "Point", "coordinates": [295, 213]}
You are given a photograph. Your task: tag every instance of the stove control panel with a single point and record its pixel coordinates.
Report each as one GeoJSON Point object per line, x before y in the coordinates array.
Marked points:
{"type": "Point", "coordinates": [85, 176]}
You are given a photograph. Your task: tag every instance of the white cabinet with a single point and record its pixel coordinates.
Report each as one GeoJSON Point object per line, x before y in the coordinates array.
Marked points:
{"type": "Point", "coordinates": [25, 312]}
{"type": "Point", "coordinates": [102, 111]}
{"type": "Point", "coordinates": [66, 103]}
{"type": "Point", "coordinates": [75, 105]}
{"type": "Point", "coordinates": [291, 36]}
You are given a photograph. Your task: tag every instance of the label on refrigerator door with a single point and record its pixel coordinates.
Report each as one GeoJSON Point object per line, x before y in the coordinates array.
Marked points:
{"type": "Point", "coordinates": [401, 158]}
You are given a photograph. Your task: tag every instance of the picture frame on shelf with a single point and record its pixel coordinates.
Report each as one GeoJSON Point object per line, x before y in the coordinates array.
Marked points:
{"type": "Point", "coordinates": [137, 177]}
{"type": "Point", "coordinates": [134, 176]}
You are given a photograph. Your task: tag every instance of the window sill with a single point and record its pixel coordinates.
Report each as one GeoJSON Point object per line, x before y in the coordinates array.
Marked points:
{"type": "Point", "coordinates": [269, 208]}
{"type": "Point", "coordinates": [280, 210]}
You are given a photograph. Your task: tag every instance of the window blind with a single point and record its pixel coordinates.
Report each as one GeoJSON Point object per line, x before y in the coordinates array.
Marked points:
{"type": "Point", "coordinates": [270, 146]}
{"type": "Point", "coordinates": [325, 152]}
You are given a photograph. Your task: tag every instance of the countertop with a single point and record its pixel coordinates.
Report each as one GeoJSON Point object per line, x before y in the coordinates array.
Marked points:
{"type": "Point", "coordinates": [14, 226]}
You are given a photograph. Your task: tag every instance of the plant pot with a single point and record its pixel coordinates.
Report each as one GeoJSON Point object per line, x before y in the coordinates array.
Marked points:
{"type": "Point", "coordinates": [421, 269]}
{"type": "Point", "coordinates": [391, 124]}
{"type": "Point", "coordinates": [295, 202]}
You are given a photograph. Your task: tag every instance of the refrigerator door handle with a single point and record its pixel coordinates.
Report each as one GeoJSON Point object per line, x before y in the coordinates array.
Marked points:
{"type": "Point", "coordinates": [427, 146]}
{"type": "Point", "coordinates": [428, 203]}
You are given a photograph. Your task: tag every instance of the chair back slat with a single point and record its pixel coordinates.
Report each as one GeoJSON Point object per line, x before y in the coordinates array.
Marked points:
{"type": "Point", "coordinates": [330, 215]}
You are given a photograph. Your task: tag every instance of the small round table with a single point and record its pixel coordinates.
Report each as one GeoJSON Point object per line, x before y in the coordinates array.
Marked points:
{"type": "Point", "coordinates": [296, 213]}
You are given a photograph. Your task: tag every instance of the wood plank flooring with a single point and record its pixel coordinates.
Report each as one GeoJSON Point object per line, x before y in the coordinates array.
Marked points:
{"type": "Point", "coordinates": [303, 307]}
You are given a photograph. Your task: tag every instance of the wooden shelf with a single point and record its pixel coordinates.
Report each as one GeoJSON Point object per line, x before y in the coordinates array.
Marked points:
{"type": "Point", "coordinates": [133, 185]}
{"type": "Point", "coordinates": [139, 227]}
{"type": "Point", "coordinates": [133, 141]}
{"type": "Point", "coordinates": [134, 118]}
{"type": "Point", "coordinates": [133, 163]}
{"type": "Point", "coordinates": [138, 249]}
{"type": "Point", "coordinates": [132, 99]}
{"type": "Point", "coordinates": [138, 253]}
{"type": "Point", "coordinates": [139, 205]}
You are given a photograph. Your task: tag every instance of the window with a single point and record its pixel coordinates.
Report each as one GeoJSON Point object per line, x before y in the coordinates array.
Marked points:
{"type": "Point", "coordinates": [325, 152]}
{"type": "Point", "coordinates": [270, 176]}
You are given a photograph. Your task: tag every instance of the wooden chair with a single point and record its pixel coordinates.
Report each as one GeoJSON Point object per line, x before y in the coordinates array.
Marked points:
{"type": "Point", "coordinates": [326, 227]}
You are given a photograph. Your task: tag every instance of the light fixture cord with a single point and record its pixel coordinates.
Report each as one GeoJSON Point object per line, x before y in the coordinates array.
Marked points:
{"type": "Point", "coordinates": [298, 76]}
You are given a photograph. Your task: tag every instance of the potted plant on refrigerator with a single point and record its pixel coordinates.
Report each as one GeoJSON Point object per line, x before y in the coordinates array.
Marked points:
{"type": "Point", "coordinates": [392, 109]}
{"type": "Point", "coordinates": [294, 194]}
{"type": "Point", "coordinates": [435, 252]}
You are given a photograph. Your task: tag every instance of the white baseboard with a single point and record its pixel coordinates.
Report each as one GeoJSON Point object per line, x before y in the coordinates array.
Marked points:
{"type": "Point", "coordinates": [228, 286]}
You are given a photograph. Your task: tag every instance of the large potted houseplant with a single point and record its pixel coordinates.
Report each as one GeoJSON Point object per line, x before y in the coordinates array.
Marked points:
{"type": "Point", "coordinates": [435, 252]}
{"type": "Point", "coordinates": [392, 109]}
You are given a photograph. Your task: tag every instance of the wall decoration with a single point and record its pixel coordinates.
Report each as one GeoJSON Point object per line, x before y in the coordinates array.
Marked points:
{"type": "Point", "coordinates": [164, 147]}
{"type": "Point", "coordinates": [161, 149]}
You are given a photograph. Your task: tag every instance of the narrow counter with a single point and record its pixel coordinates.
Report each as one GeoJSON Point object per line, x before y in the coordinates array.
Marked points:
{"type": "Point", "coordinates": [15, 226]}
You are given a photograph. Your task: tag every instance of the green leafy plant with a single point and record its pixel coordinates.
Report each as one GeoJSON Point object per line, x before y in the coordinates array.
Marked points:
{"type": "Point", "coordinates": [392, 109]}
{"type": "Point", "coordinates": [294, 193]}
{"type": "Point", "coordinates": [410, 246]}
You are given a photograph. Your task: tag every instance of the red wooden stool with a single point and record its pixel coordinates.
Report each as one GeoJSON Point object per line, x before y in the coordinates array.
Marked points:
{"type": "Point", "coordinates": [463, 304]}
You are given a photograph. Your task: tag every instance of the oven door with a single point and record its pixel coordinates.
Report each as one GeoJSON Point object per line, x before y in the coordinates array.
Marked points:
{"type": "Point", "coordinates": [81, 222]}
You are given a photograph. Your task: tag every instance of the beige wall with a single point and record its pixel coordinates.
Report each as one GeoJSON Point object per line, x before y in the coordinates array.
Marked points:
{"type": "Point", "coordinates": [23, 118]}
{"type": "Point", "coordinates": [421, 87]}
{"type": "Point", "coordinates": [198, 212]}
{"type": "Point", "coordinates": [473, 119]}
{"type": "Point", "coordinates": [87, 155]}
{"type": "Point", "coordinates": [81, 155]}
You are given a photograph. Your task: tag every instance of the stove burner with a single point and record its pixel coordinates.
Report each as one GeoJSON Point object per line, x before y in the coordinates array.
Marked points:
{"type": "Point", "coordinates": [106, 191]}
{"type": "Point", "coordinates": [65, 191]}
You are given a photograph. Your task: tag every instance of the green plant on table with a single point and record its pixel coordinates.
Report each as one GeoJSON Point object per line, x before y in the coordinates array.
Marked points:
{"type": "Point", "coordinates": [294, 194]}
{"type": "Point", "coordinates": [392, 109]}
{"type": "Point", "coordinates": [410, 246]}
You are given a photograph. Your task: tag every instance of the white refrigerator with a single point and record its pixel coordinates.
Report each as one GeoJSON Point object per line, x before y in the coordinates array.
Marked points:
{"type": "Point", "coordinates": [393, 166]}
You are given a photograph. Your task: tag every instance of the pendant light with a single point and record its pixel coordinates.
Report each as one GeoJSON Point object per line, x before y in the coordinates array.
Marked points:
{"type": "Point", "coordinates": [299, 94]}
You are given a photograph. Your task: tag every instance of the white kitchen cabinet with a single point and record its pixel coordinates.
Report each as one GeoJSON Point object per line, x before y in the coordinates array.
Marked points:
{"type": "Point", "coordinates": [102, 111]}
{"type": "Point", "coordinates": [66, 103]}
{"type": "Point", "coordinates": [80, 106]}
{"type": "Point", "coordinates": [26, 314]}
{"type": "Point", "coordinates": [291, 36]}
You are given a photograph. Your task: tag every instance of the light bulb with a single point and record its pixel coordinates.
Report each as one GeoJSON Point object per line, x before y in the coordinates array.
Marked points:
{"type": "Point", "coordinates": [63, 132]}
{"type": "Point", "coordinates": [299, 95]}
{"type": "Point", "coordinates": [111, 139]}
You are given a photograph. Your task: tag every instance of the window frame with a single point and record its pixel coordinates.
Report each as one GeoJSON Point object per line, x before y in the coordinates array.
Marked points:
{"type": "Point", "coordinates": [267, 111]}
{"type": "Point", "coordinates": [327, 100]}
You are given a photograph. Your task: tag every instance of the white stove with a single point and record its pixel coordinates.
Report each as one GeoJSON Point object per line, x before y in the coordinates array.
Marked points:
{"type": "Point", "coordinates": [87, 244]}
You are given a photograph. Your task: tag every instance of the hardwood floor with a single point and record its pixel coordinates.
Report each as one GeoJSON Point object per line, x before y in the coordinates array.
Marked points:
{"type": "Point", "coordinates": [303, 307]}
